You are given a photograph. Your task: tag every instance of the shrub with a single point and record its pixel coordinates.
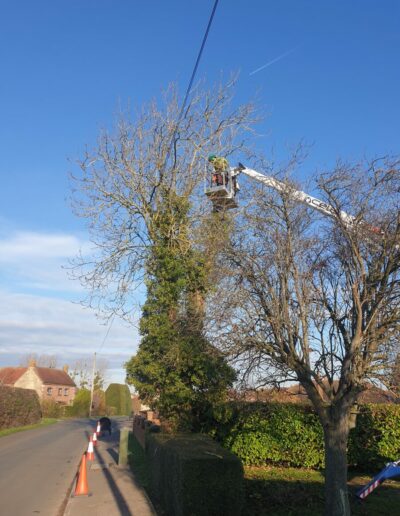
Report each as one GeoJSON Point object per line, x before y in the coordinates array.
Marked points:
{"type": "Point", "coordinates": [51, 408]}
{"type": "Point", "coordinates": [99, 402]}
{"type": "Point", "coordinates": [81, 404]}
{"type": "Point", "coordinates": [118, 396]}
{"type": "Point", "coordinates": [261, 433]}
{"type": "Point", "coordinates": [80, 407]}
{"type": "Point", "coordinates": [18, 407]}
{"type": "Point", "coordinates": [376, 438]}
{"type": "Point", "coordinates": [277, 433]}
{"type": "Point", "coordinates": [192, 475]}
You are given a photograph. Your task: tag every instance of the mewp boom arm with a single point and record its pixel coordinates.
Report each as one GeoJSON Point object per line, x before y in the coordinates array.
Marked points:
{"type": "Point", "coordinates": [300, 196]}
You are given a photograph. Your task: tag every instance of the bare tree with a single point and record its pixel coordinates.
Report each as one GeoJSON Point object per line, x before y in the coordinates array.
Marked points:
{"type": "Point", "coordinates": [317, 300]}
{"type": "Point", "coordinates": [82, 370]}
{"type": "Point", "coordinates": [123, 182]}
{"type": "Point", "coordinates": [394, 377]}
{"type": "Point", "coordinates": [40, 360]}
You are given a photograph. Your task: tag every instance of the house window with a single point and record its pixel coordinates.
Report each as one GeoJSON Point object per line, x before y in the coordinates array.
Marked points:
{"type": "Point", "coordinates": [60, 391]}
{"type": "Point", "coordinates": [49, 391]}
{"type": "Point", "coordinates": [66, 391]}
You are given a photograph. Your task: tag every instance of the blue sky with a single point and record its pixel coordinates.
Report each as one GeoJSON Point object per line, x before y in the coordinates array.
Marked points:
{"type": "Point", "coordinates": [67, 67]}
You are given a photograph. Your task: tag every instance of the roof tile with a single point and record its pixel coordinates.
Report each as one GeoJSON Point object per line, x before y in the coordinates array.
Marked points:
{"type": "Point", "coordinates": [48, 375]}
{"type": "Point", "coordinates": [9, 375]}
{"type": "Point", "coordinates": [54, 376]}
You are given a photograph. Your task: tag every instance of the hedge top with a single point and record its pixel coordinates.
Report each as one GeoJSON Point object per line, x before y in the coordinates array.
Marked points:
{"type": "Point", "coordinates": [195, 446]}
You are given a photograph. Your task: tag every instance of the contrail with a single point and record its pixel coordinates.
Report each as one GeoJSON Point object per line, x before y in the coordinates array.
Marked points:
{"type": "Point", "coordinates": [273, 61]}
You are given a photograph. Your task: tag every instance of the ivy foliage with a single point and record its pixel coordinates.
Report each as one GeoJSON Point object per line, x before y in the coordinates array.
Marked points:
{"type": "Point", "coordinates": [176, 370]}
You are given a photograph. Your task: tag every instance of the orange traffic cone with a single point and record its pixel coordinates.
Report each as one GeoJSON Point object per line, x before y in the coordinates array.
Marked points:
{"type": "Point", "coordinates": [98, 429]}
{"type": "Point", "coordinates": [90, 451]}
{"type": "Point", "coordinates": [95, 439]}
{"type": "Point", "coordinates": [81, 482]}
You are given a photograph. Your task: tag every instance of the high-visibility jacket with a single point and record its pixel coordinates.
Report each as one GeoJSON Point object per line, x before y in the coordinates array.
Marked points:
{"type": "Point", "coordinates": [220, 164]}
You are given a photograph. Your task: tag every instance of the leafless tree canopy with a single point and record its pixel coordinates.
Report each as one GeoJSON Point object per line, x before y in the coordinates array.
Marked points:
{"type": "Point", "coordinates": [315, 299]}
{"type": "Point", "coordinates": [81, 372]}
{"type": "Point", "coordinates": [122, 182]}
{"type": "Point", "coordinates": [40, 360]}
{"type": "Point", "coordinates": [312, 298]}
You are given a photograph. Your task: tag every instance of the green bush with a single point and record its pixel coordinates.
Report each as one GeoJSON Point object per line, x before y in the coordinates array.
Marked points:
{"type": "Point", "coordinates": [81, 404]}
{"type": "Point", "coordinates": [277, 433]}
{"type": "Point", "coordinates": [191, 475]}
{"type": "Point", "coordinates": [376, 438]}
{"type": "Point", "coordinates": [80, 407]}
{"type": "Point", "coordinates": [51, 408]}
{"type": "Point", "coordinates": [18, 407]}
{"type": "Point", "coordinates": [118, 397]}
{"type": "Point", "coordinates": [260, 433]}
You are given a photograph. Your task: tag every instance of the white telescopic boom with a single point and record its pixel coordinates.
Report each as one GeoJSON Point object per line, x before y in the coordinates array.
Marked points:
{"type": "Point", "coordinates": [298, 195]}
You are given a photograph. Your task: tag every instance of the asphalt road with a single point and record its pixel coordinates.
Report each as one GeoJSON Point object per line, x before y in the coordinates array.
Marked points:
{"type": "Point", "coordinates": [37, 467]}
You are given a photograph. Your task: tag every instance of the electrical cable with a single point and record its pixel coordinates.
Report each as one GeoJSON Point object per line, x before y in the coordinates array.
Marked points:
{"type": "Point", "coordinates": [178, 120]}
{"type": "Point", "coordinates": [191, 82]}
{"type": "Point", "coordinates": [106, 335]}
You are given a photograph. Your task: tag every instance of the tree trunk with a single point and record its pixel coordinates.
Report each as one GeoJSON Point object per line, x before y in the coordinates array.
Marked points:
{"type": "Point", "coordinates": [336, 494]}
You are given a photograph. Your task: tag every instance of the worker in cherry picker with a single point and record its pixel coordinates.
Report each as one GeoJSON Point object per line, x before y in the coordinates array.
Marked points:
{"type": "Point", "coordinates": [221, 171]}
{"type": "Point", "coordinates": [221, 167]}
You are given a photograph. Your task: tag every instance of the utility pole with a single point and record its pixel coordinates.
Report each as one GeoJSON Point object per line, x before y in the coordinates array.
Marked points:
{"type": "Point", "coordinates": [92, 389]}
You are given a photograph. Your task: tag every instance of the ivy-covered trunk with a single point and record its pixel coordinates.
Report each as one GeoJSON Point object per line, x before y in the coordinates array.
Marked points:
{"type": "Point", "coordinates": [176, 369]}
{"type": "Point", "coordinates": [336, 494]}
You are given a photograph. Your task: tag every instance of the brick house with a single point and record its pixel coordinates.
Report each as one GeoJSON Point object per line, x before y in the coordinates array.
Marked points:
{"type": "Point", "coordinates": [137, 405]}
{"type": "Point", "coordinates": [49, 383]}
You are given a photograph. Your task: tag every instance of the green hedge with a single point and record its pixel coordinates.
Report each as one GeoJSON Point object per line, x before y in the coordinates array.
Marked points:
{"type": "Point", "coordinates": [288, 434]}
{"type": "Point", "coordinates": [376, 438]}
{"type": "Point", "coordinates": [118, 397]}
{"type": "Point", "coordinates": [191, 475]}
{"type": "Point", "coordinates": [261, 433]}
{"type": "Point", "coordinates": [18, 407]}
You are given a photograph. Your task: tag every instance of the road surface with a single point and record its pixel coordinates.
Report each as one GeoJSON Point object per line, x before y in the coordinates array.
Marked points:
{"type": "Point", "coordinates": [38, 467]}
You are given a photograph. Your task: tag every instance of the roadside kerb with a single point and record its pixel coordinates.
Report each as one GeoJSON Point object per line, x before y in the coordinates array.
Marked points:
{"type": "Point", "coordinates": [115, 491]}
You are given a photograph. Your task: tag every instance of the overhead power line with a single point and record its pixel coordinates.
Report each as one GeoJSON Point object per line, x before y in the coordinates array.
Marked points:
{"type": "Point", "coordinates": [106, 335]}
{"type": "Point", "coordinates": [191, 81]}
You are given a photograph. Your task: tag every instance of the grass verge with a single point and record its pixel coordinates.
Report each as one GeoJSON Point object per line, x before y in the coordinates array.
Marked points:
{"type": "Point", "coordinates": [44, 422]}
{"type": "Point", "coordinates": [290, 491]}
{"type": "Point", "coordinates": [296, 492]}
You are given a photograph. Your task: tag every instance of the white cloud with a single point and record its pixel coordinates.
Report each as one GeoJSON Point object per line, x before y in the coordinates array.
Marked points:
{"type": "Point", "coordinates": [50, 326]}
{"type": "Point", "coordinates": [37, 261]}
{"type": "Point", "coordinates": [36, 312]}
{"type": "Point", "coordinates": [29, 245]}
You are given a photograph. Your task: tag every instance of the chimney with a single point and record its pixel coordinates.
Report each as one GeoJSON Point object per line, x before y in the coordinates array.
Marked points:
{"type": "Point", "coordinates": [32, 362]}
{"type": "Point", "coordinates": [65, 368]}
